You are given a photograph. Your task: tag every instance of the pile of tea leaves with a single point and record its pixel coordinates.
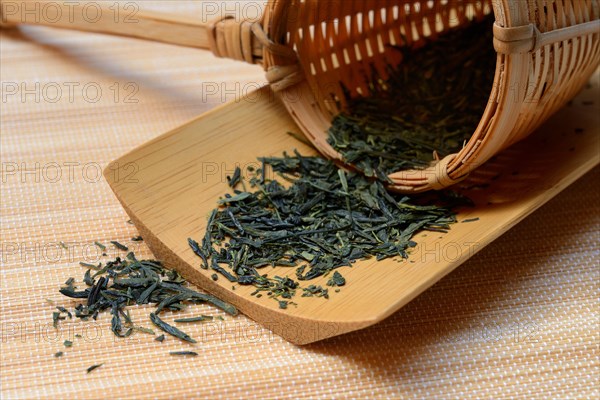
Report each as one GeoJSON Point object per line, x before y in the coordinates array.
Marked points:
{"type": "Point", "coordinates": [315, 218]}
{"type": "Point", "coordinates": [124, 282]}
{"type": "Point", "coordinates": [431, 102]}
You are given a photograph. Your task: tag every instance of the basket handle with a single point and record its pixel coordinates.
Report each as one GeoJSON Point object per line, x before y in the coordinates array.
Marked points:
{"type": "Point", "coordinates": [127, 20]}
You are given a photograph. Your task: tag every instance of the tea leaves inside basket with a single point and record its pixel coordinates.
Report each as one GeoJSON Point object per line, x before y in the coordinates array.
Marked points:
{"type": "Point", "coordinates": [427, 108]}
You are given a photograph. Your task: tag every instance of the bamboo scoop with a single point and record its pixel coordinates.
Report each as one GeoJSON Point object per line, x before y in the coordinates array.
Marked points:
{"type": "Point", "coordinates": [177, 184]}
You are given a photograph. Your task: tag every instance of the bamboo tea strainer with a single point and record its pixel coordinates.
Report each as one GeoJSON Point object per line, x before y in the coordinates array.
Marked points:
{"type": "Point", "coordinates": [316, 52]}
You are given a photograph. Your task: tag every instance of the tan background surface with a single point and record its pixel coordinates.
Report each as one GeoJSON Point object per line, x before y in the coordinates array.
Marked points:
{"type": "Point", "coordinates": [520, 319]}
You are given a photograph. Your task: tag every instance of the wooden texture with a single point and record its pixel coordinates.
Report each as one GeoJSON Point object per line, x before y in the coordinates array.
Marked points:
{"type": "Point", "coordinates": [110, 18]}
{"type": "Point", "coordinates": [519, 319]}
{"type": "Point", "coordinates": [170, 185]}
{"type": "Point", "coordinates": [129, 20]}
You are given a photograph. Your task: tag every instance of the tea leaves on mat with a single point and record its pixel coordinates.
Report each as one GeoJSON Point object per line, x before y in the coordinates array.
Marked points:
{"type": "Point", "coordinates": [127, 281]}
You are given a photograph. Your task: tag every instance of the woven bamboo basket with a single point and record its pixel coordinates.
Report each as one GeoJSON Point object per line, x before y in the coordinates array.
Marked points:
{"type": "Point", "coordinates": [315, 54]}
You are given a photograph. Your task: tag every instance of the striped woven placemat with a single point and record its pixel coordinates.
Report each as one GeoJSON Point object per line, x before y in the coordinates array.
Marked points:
{"type": "Point", "coordinates": [519, 319]}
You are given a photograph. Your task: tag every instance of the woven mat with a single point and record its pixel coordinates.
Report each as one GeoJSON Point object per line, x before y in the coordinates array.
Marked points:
{"type": "Point", "coordinates": [519, 319]}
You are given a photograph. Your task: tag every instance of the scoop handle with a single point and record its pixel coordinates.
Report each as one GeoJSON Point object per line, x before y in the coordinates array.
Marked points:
{"type": "Point", "coordinates": [111, 18]}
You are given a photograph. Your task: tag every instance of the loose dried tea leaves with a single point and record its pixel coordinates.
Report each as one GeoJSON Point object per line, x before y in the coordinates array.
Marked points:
{"type": "Point", "coordinates": [315, 291]}
{"type": "Point", "coordinates": [171, 330]}
{"type": "Point", "coordinates": [336, 280]}
{"type": "Point", "coordinates": [196, 319]}
{"type": "Point", "coordinates": [144, 330]}
{"type": "Point", "coordinates": [324, 218]}
{"type": "Point", "coordinates": [93, 367]}
{"type": "Point", "coordinates": [119, 245]}
{"type": "Point", "coordinates": [127, 281]}
{"type": "Point", "coordinates": [183, 353]}
{"type": "Point", "coordinates": [88, 265]}
{"type": "Point", "coordinates": [55, 318]}
{"type": "Point", "coordinates": [430, 104]}
{"type": "Point", "coordinates": [235, 178]}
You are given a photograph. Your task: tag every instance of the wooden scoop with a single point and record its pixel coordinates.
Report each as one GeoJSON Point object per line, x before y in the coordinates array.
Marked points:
{"type": "Point", "coordinates": [170, 185]}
